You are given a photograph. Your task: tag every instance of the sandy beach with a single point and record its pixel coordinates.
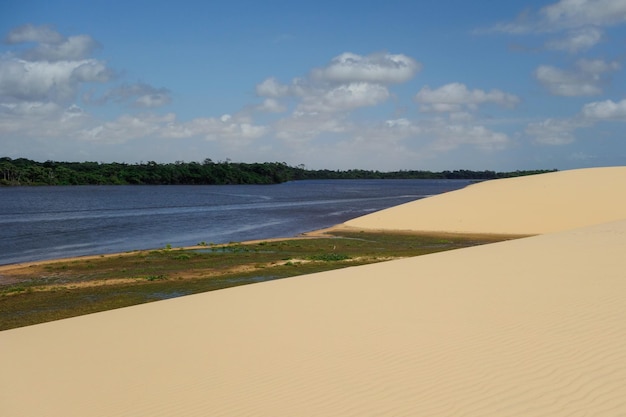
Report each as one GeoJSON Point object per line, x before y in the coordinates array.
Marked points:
{"type": "Point", "coordinates": [529, 327]}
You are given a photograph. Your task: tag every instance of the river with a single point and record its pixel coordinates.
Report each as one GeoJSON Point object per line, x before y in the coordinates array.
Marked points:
{"type": "Point", "coordinates": [39, 223]}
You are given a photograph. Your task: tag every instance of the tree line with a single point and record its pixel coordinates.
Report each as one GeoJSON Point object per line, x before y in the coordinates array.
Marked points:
{"type": "Point", "coordinates": [23, 171]}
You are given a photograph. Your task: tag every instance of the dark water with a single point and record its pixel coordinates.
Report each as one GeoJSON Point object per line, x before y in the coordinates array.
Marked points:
{"type": "Point", "coordinates": [39, 223]}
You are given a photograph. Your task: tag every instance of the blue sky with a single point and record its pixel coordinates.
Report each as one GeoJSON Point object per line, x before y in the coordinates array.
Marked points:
{"type": "Point", "coordinates": [376, 85]}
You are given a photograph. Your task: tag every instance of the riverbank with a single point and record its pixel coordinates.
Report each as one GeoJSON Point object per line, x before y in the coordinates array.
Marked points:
{"type": "Point", "coordinates": [43, 291]}
{"type": "Point", "coordinates": [532, 326]}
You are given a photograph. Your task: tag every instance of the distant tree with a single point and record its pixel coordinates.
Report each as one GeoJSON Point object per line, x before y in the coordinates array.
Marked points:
{"type": "Point", "coordinates": [22, 171]}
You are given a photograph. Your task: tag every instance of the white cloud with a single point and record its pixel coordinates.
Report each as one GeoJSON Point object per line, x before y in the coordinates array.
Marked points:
{"type": "Point", "coordinates": [451, 136]}
{"type": "Point", "coordinates": [579, 23]}
{"type": "Point", "coordinates": [51, 45]}
{"type": "Point", "coordinates": [375, 68]}
{"type": "Point", "coordinates": [576, 13]}
{"type": "Point", "coordinates": [72, 48]}
{"type": "Point", "coordinates": [562, 131]}
{"type": "Point", "coordinates": [567, 14]}
{"type": "Point", "coordinates": [91, 70]}
{"type": "Point", "coordinates": [605, 110]}
{"type": "Point", "coordinates": [53, 70]}
{"type": "Point", "coordinates": [302, 127]}
{"type": "Point", "coordinates": [349, 81]}
{"type": "Point", "coordinates": [565, 83]}
{"type": "Point", "coordinates": [139, 95]}
{"type": "Point", "coordinates": [596, 67]}
{"type": "Point", "coordinates": [401, 124]}
{"type": "Point", "coordinates": [29, 108]}
{"type": "Point", "coordinates": [587, 79]}
{"type": "Point", "coordinates": [271, 105]}
{"type": "Point", "coordinates": [456, 96]}
{"type": "Point", "coordinates": [444, 134]}
{"type": "Point", "coordinates": [41, 120]}
{"type": "Point", "coordinates": [33, 81]}
{"type": "Point", "coordinates": [153, 100]}
{"type": "Point", "coordinates": [226, 128]}
{"type": "Point", "coordinates": [272, 88]}
{"type": "Point", "coordinates": [344, 97]}
{"type": "Point", "coordinates": [577, 40]}
{"type": "Point", "coordinates": [31, 33]}
{"type": "Point", "coordinates": [128, 127]}
{"type": "Point", "coordinates": [553, 131]}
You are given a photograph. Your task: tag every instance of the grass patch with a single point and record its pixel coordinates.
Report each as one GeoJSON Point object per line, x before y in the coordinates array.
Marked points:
{"type": "Point", "coordinates": [329, 257]}
{"type": "Point", "coordinates": [55, 290]}
{"type": "Point", "coordinates": [156, 277]}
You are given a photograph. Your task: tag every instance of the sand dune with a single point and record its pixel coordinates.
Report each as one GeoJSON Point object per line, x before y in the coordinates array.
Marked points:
{"type": "Point", "coordinates": [523, 206]}
{"type": "Point", "coordinates": [528, 327]}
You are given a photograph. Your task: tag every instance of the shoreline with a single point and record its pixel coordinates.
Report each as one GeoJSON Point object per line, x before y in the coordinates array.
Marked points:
{"type": "Point", "coordinates": [47, 291]}
{"type": "Point", "coordinates": [314, 234]}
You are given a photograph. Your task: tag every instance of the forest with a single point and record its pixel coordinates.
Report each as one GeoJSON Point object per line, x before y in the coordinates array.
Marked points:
{"type": "Point", "coordinates": [25, 172]}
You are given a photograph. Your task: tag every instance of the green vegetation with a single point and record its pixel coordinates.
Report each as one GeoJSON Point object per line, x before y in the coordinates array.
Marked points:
{"type": "Point", "coordinates": [65, 288]}
{"type": "Point", "coordinates": [23, 171]}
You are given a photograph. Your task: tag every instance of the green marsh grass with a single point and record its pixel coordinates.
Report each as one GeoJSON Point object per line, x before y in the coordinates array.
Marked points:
{"type": "Point", "coordinates": [61, 289]}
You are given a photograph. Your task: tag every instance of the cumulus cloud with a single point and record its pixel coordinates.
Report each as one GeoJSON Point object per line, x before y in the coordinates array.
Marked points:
{"type": "Point", "coordinates": [301, 127]}
{"type": "Point", "coordinates": [553, 131]}
{"type": "Point", "coordinates": [128, 127]}
{"type": "Point", "coordinates": [442, 135]}
{"type": "Point", "coordinates": [451, 136]}
{"type": "Point", "coordinates": [51, 45]}
{"type": "Point", "coordinates": [226, 127]}
{"type": "Point", "coordinates": [138, 95]}
{"type": "Point", "coordinates": [27, 120]}
{"type": "Point", "coordinates": [605, 110]}
{"type": "Point", "coordinates": [375, 68]}
{"type": "Point", "coordinates": [348, 82]}
{"type": "Point", "coordinates": [402, 126]}
{"type": "Point", "coordinates": [32, 33]}
{"type": "Point", "coordinates": [32, 108]}
{"type": "Point", "coordinates": [562, 131]}
{"type": "Point", "coordinates": [586, 79]}
{"type": "Point", "coordinates": [577, 40]}
{"type": "Point", "coordinates": [153, 100]}
{"type": "Point", "coordinates": [53, 70]}
{"type": "Point", "coordinates": [271, 105]}
{"type": "Point", "coordinates": [27, 80]}
{"type": "Point", "coordinates": [324, 100]}
{"type": "Point", "coordinates": [455, 97]}
{"type": "Point", "coordinates": [38, 86]}
{"type": "Point", "coordinates": [272, 88]}
{"type": "Point", "coordinates": [576, 13]}
{"type": "Point", "coordinates": [581, 22]}
{"type": "Point", "coordinates": [567, 14]}
{"type": "Point", "coordinates": [344, 97]}
{"type": "Point", "coordinates": [74, 47]}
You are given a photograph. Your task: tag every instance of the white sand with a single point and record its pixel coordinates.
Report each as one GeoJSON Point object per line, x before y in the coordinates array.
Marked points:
{"type": "Point", "coordinates": [524, 205]}
{"type": "Point", "coordinates": [530, 327]}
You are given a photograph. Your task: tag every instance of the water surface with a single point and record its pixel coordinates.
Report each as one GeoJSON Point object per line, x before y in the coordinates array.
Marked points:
{"type": "Point", "coordinates": [39, 223]}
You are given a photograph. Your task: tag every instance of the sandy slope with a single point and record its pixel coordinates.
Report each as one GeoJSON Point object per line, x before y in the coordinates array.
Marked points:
{"type": "Point", "coordinates": [530, 327]}
{"type": "Point", "coordinates": [526, 205]}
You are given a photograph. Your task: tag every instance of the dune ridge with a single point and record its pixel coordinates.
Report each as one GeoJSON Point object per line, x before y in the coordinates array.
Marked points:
{"type": "Point", "coordinates": [517, 206]}
{"type": "Point", "coordinates": [528, 327]}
